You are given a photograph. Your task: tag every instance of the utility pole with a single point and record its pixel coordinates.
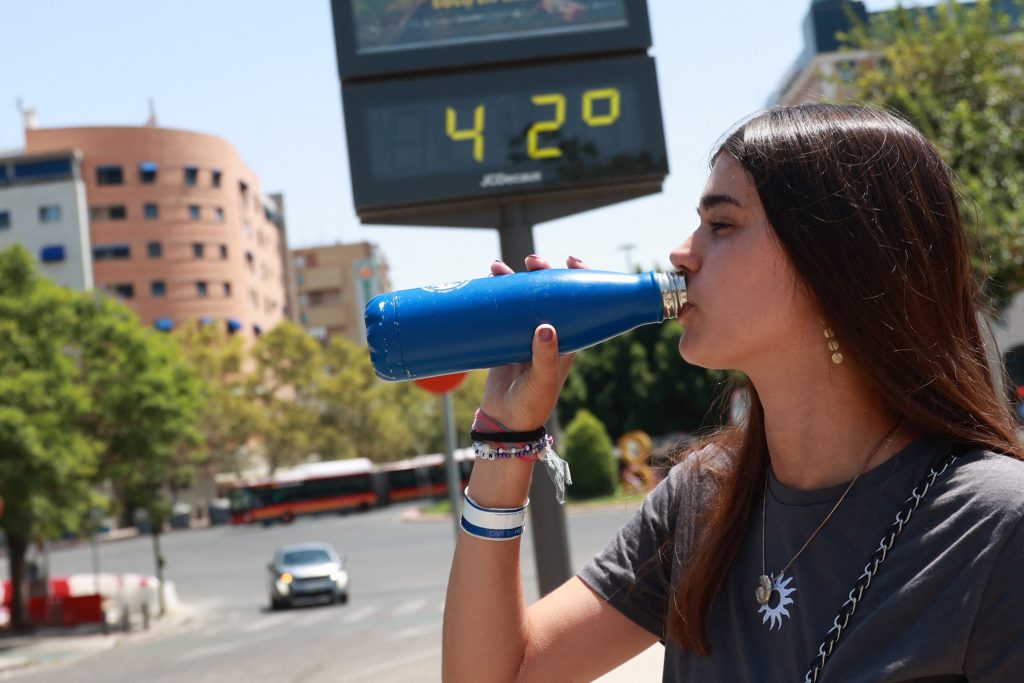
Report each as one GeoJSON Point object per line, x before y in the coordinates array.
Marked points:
{"type": "Point", "coordinates": [628, 248]}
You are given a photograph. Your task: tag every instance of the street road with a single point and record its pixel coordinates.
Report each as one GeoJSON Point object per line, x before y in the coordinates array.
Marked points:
{"type": "Point", "coordinates": [389, 632]}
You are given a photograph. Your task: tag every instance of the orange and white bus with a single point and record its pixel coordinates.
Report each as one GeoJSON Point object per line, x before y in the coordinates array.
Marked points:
{"type": "Point", "coordinates": [311, 488]}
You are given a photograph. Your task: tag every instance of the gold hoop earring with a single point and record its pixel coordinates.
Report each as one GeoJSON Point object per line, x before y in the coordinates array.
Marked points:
{"type": "Point", "coordinates": [833, 346]}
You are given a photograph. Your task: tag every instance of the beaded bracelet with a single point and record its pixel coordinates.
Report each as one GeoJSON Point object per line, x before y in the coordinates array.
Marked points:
{"type": "Point", "coordinates": [531, 451]}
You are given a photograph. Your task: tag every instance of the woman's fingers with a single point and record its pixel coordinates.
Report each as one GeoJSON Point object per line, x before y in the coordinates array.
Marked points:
{"type": "Point", "coordinates": [500, 268]}
{"type": "Point", "coordinates": [574, 262]}
{"type": "Point", "coordinates": [534, 262]}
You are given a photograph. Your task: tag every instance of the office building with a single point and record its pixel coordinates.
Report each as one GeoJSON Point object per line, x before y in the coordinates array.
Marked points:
{"type": "Point", "coordinates": [43, 206]}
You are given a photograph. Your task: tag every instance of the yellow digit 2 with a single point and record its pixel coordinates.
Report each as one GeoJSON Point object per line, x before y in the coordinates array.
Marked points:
{"type": "Point", "coordinates": [548, 126]}
{"type": "Point", "coordinates": [611, 95]}
{"type": "Point", "coordinates": [476, 133]}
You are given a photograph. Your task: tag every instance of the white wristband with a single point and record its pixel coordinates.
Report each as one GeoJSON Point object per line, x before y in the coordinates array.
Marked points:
{"type": "Point", "coordinates": [493, 524]}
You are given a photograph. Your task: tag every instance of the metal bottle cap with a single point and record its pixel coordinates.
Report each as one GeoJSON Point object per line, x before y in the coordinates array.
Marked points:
{"type": "Point", "coordinates": [673, 293]}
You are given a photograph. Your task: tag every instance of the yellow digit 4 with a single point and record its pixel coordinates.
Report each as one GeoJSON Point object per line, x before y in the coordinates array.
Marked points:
{"type": "Point", "coordinates": [550, 125]}
{"type": "Point", "coordinates": [476, 133]}
{"type": "Point", "coordinates": [609, 94]}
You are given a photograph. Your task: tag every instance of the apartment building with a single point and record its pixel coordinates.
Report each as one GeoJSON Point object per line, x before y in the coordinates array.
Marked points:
{"type": "Point", "coordinates": [179, 227]}
{"type": "Point", "coordinates": [334, 284]}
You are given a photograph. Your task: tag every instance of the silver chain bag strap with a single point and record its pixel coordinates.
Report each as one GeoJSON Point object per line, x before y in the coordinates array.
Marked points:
{"type": "Point", "coordinates": [857, 592]}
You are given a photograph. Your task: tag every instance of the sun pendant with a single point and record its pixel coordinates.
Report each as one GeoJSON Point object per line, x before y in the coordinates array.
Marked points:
{"type": "Point", "coordinates": [780, 585]}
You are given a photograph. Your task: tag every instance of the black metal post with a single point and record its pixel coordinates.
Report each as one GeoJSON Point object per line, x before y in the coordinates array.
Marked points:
{"type": "Point", "coordinates": [547, 516]}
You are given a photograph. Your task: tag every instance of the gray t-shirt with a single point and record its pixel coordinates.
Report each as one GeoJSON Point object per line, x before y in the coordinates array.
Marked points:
{"type": "Point", "coordinates": [946, 605]}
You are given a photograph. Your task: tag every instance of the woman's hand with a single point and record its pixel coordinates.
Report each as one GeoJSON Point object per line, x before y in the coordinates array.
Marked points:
{"type": "Point", "coordinates": [522, 396]}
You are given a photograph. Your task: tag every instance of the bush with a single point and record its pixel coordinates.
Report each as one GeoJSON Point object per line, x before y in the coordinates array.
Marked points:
{"type": "Point", "coordinates": [588, 450]}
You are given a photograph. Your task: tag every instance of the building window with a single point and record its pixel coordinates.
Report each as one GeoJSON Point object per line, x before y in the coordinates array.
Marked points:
{"type": "Point", "coordinates": [53, 253]}
{"type": "Point", "coordinates": [5, 220]}
{"type": "Point", "coordinates": [193, 212]}
{"type": "Point", "coordinates": [201, 288]}
{"type": "Point", "coordinates": [123, 290]}
{"type": "Point", "coordinates": [53, 169]}
{"type": "Point", "coordinates": [155, 249]}
{"type": "Point", "coordinates": [158, 288]}
{"type": "Point", "coordinates": [49, 213]}
{"type": "Point", "coordinates": [147, 172]}
{"type": "Point", "coordinates": [300, 261]}
{"type": "Point", "coordinates": [250, 260]}
{"type": "Point", "coordinates": [191, 175]}
{"type": "Point", "coordinates": [227, 289]}
{"type": "Point", "coordinates": [111, 252]}
{"type": "Point", "coordinates": [215, 177]}
{"type": "Point", "coordinates": [197, 249]}
{"type": "Point", "coordinates": [223, 251]}
{"type": "Point", "coordinates": [108, 213]}
{"type": "Point", "coordinates": [219, 214]}
{"type": "Point", "coordinates": [109, 175]}
{"type": "Point", "coordinates": [243, 189]}
{"type": "Point", "coordinates": [151, 210]}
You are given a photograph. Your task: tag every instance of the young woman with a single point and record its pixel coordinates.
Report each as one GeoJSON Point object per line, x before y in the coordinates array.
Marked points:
{"type": "Point", "coordinates": [830, 266]}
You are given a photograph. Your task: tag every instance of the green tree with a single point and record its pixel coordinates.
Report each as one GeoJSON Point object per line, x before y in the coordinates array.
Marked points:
{"type": "Point", "coordinates": [638, 381]}
{"type": "Point", "coordinates": [145, 400]}
{"type": "Point", "coordinates": [46, 464]}
{"type": "Point", "coordinates": [954, 71]}
{"type": "Point", "coordinates": [228, 415]}
{"type": "Point", "coordinates": [588, 450]}
{"type": "Point", "coordinates": [283, 386]}
{"type": "Point", "coordinates": [361, 415]}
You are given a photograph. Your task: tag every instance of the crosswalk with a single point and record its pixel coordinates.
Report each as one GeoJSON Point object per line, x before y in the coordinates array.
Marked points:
{"type": "Point", "coordinates": [402, 619]}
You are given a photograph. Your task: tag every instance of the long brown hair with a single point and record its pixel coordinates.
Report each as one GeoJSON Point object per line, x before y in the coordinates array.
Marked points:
{"type": "Point", "coordinates": [868, 215]}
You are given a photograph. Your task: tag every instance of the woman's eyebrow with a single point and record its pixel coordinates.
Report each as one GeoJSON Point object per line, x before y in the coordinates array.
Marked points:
{"type": "Point", "coordinates": [711, 200]}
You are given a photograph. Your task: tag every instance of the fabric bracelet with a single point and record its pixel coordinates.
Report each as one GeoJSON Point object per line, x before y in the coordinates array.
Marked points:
{"type": "Point", "coordinates": [493, 524]}
{"type": "Point", "coordinates": [509, 437]}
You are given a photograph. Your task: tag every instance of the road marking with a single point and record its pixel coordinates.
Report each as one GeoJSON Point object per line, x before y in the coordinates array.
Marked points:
{"type": "Point", "coordinates": [358, 614]}
{"type": "Point", "coordinates": [408, 608]}
{"type": "Point", "coordinates": [269, 622]}
{"type": "Point", "coordinates": [371, 672]}
{"type": "Point", "coordinates": [322, 615]}
{"type": "Point", "coordinates": [208, 651]}
{"type": "Point", "coordinates": [412, 632]}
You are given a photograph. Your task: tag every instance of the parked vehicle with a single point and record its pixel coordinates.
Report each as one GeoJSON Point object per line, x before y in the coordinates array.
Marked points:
{"type": "Point", "coordinates": [307, 570]}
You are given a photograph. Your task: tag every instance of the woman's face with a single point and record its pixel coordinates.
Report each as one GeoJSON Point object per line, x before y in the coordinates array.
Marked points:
{"type": "Point", "coordinates": [745, 307]}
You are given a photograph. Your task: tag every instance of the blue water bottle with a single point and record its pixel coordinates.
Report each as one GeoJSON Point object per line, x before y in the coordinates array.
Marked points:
{"type": "Point", "coordinates": [489, 322]}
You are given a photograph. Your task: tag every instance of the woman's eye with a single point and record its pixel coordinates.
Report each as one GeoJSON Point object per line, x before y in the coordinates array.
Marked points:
{"type": "Point", "coordinates": [718, 225]}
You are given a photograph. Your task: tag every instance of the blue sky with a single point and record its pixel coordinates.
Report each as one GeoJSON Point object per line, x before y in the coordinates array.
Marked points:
{"type": "Point", "coordinates": [263, 76]}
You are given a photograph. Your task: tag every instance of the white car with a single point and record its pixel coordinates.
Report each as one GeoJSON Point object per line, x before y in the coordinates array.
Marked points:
{"type": "Point", "coordinates": [307, 570]}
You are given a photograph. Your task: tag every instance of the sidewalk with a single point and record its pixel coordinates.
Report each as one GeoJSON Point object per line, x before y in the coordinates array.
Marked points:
{"type": "Point", "coordinates": [55, 645]}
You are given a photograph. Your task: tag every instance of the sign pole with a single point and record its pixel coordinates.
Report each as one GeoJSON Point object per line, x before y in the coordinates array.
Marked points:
{"type": "Point", "coordinates": [454, 478]}
{"type": "Point", "coordinates": [547, 515]}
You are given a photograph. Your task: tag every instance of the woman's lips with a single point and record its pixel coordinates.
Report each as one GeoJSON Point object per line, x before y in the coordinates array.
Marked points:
{"type": "Point", "coordinates": [684, 310]}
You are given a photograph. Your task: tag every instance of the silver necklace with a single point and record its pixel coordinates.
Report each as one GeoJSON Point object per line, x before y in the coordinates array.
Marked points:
{"type": "Point", "coordinates": [780, 583]}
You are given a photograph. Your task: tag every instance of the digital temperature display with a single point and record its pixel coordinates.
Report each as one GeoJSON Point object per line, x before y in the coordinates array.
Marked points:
{"type": "Point", "coordinates": [504, 131]}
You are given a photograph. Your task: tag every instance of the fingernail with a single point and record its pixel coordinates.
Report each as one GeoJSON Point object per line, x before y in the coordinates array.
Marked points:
{"type": "Point", "coordinates": [533, 256]}
{"type": "Point", "coordinates": [546, 334]}
{"type": "Point", "coordinates": [498, 260]}
{"type": "Point", "coordinates": [576, 259]}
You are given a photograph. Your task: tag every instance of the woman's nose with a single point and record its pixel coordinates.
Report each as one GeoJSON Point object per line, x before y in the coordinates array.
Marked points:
{"type": "Point", "coordinates": [684, 258]}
